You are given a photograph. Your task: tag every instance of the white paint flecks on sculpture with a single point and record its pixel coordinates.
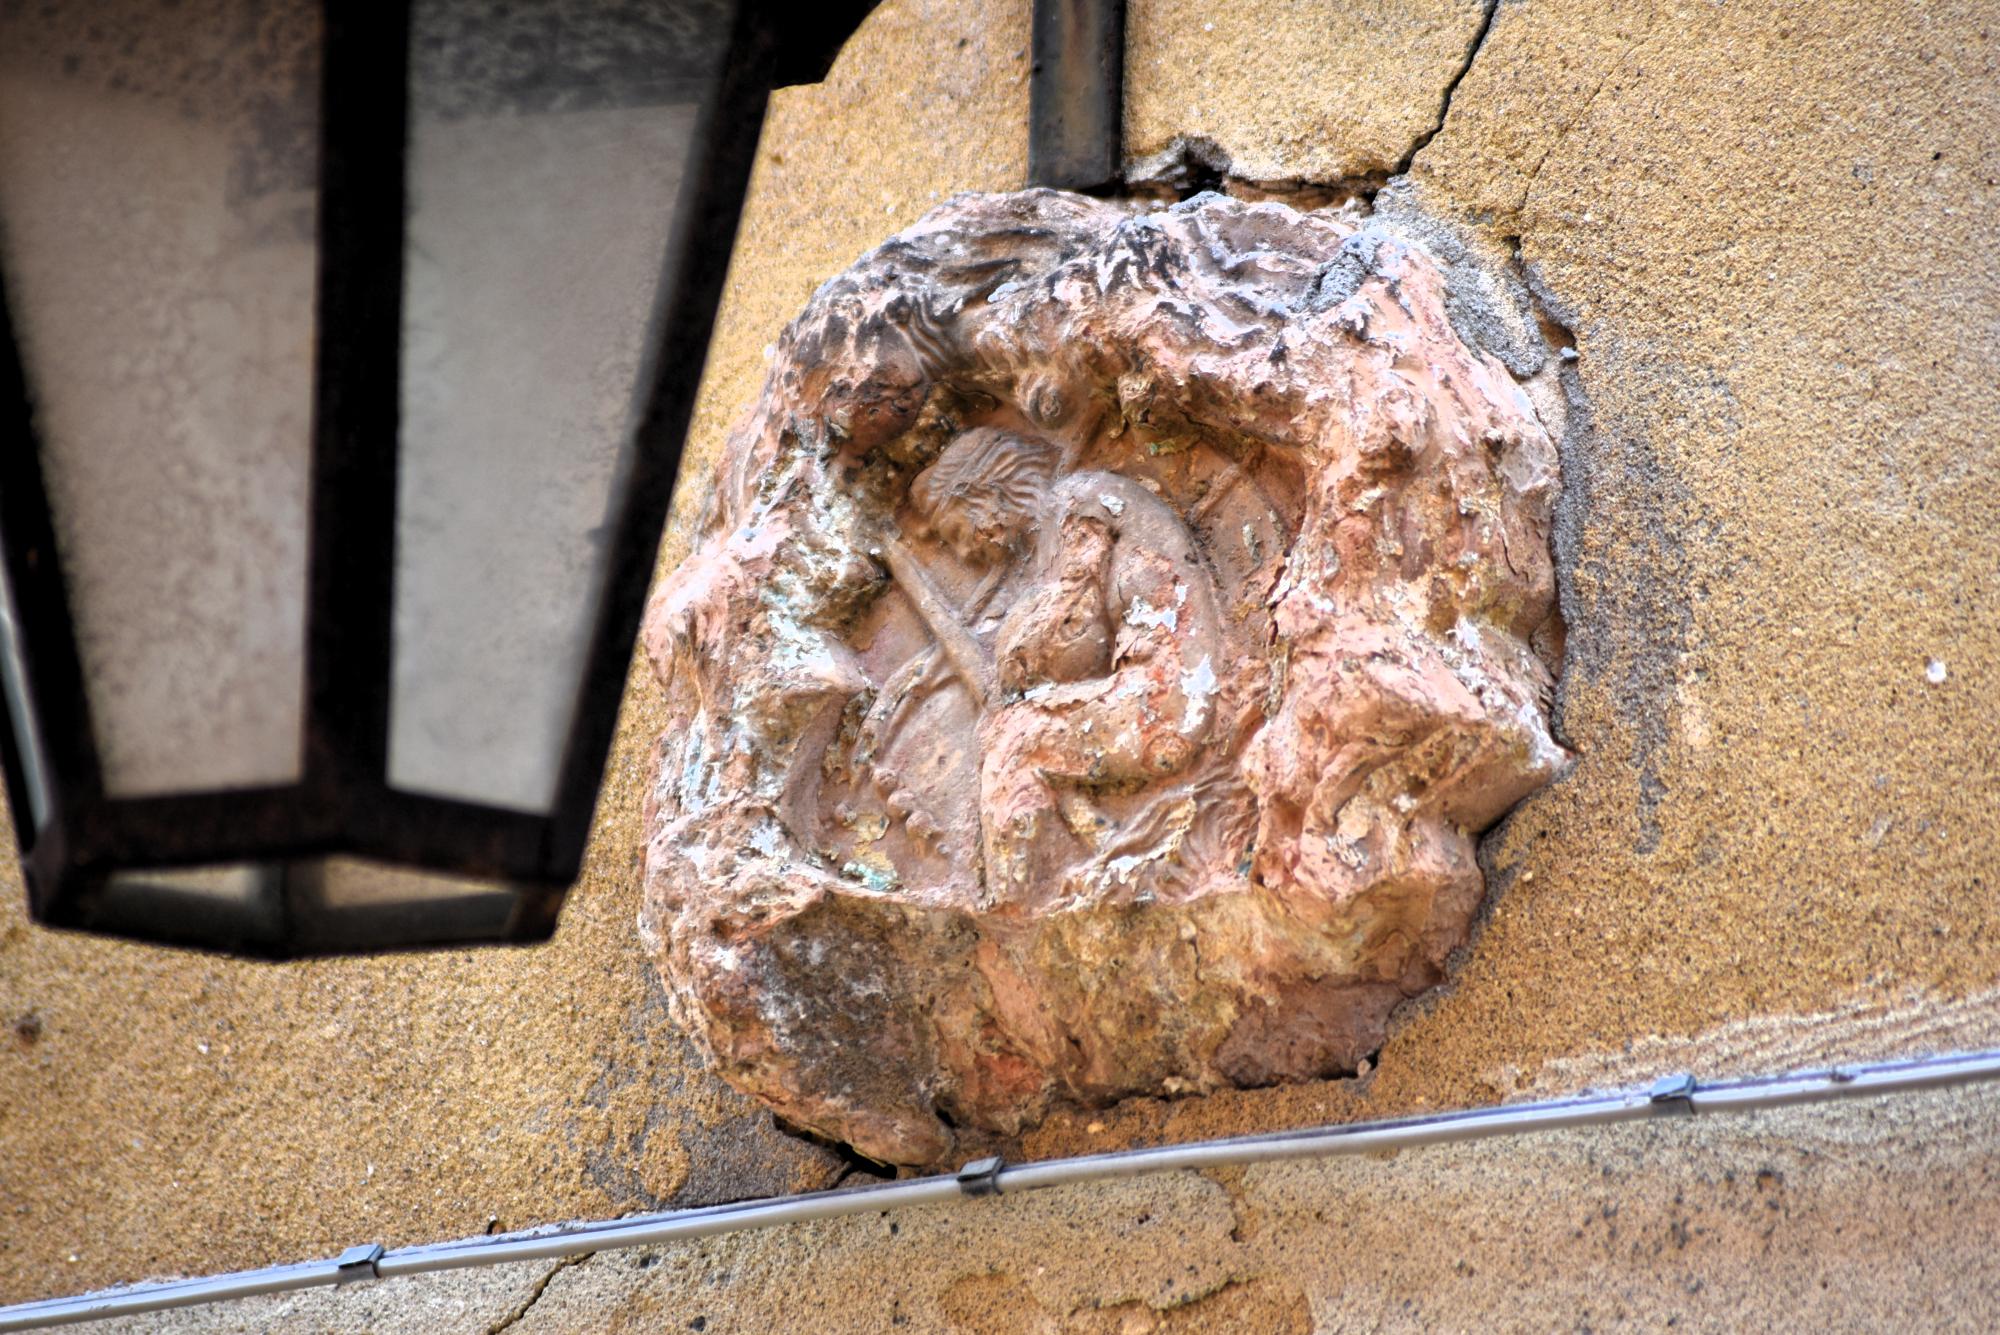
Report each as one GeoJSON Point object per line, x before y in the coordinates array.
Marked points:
{"type": "Point", "coordinates": [1110, 635]}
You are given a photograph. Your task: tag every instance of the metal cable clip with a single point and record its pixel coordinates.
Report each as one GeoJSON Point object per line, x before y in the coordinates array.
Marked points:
{"type": "Point", "coordinates": [358, 1263]}
{"type": "Point", "coordinates": [981, 1177]}
{"type": "Point", "coordinates": [1673, 1095]}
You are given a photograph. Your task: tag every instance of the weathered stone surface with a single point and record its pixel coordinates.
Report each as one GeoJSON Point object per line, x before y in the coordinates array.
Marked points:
{"type": "Point", "coordinates": [1321, 91]}
{"type": "Point", "coordinates": [1111, 634]}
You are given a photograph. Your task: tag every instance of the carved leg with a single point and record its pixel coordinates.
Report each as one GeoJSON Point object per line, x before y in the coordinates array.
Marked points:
{"type": "Point", "coordinates": [905, 689]}
{"type": "Point", "coordinates": [1024, 838]}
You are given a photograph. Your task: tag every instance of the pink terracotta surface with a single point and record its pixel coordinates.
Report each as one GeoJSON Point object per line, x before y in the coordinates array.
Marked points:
{"type": "Point", "coordinates": [1111, 632]}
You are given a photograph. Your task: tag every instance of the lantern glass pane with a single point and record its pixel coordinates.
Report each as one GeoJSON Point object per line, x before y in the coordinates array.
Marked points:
{"type": "Point", "coordinates": [241, 883]}
{"type": "Point", "coordinates": [353, 904]}
{"type": "Point", "coordinates": [199, 905]}
{"type": "Point", "coordinates": [322, 904]}
{"type": "Point", "coordinates": [548, 145]}
{"type": "Point", "coordinates": [157, 211]}
{"type": "Point", "coordinates": [356, 883]}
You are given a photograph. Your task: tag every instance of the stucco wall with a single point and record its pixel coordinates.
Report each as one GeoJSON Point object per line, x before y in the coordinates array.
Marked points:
{"type": "Point", "coordinates": [1768, 230]}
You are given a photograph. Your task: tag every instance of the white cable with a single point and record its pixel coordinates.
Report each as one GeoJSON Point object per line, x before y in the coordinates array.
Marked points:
{"type": "Point", "coordinates": [1677, 1095]}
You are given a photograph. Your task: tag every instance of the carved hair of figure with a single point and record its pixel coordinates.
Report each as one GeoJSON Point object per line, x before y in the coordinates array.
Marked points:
{"type": "Point", "coordinates": [993, 478]}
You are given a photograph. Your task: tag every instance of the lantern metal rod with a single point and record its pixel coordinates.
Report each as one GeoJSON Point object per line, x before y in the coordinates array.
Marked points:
{"type": "Point", "coordinates": [1674, 1096]}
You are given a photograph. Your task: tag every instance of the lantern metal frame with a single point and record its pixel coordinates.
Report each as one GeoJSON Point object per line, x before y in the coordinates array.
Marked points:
{"type": "Point", "coordinates": [75, 839]}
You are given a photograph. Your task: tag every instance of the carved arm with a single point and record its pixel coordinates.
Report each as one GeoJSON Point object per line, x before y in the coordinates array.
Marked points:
{"type": "Point", "coordinates": [960, 649]}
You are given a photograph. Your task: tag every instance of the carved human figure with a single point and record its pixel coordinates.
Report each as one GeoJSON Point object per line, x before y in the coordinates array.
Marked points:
{"type": "Point", "coordinates": [1102, 669]}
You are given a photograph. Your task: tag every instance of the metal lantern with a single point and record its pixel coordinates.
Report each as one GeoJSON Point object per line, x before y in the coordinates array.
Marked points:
{"type": "Point", "coordinates": [346, 352]}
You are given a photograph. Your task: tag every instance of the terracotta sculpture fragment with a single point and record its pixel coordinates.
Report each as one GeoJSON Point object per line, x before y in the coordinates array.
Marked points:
{"type": "Point", "coordinates": [1110, 634]}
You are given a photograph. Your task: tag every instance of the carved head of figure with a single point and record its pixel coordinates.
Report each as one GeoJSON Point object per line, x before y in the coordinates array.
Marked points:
{"type": "Point", "coordinates": [982, 495]}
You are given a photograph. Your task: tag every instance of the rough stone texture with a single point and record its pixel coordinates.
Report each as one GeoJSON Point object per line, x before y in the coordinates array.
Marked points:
{"type": "Point", "coordinates": [1113, 632]}
{"type": "Point", "coordinates": [1872, 1216]}
{"type": "Point", "coordinates": [1328, 91]}
{"type": "Point", "coordinates": [1764, 224]}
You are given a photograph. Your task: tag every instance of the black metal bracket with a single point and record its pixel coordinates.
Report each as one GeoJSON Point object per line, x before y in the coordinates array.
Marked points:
{"type": "Point", "coordinates": [358, 1263]}
{"type": "Point", "coordinates": [1076, 94]}
{"type": "Point", "coordinates": [1673, 1095]}
{"type": "Point", "coordinates": [981, 1177]}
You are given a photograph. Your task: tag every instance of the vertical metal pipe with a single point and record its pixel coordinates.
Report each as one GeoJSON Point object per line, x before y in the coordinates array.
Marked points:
{"type": "Point", "coordinates": [1076, 94]}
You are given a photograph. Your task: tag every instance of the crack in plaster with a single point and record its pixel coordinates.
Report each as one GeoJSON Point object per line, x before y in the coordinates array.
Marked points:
{"type": "Point", "coordinates": [1472, 50]}
{"type": "Point", "coordinates": [522, 1308]}
{"type": "Point", "coordinates": [1562, 136]}
{"type": "Point", "coordinates": [1191, 163]}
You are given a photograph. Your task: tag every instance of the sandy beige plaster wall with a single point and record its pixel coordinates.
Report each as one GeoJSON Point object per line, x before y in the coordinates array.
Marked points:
{"type": "Point", "coordinates": [1768, 229]}
{"type": "Point", "coordinates": [1860, 1217]}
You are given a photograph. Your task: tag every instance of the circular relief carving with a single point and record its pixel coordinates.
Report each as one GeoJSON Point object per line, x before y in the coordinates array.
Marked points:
{"type": "Point", "coordinates": [1109, 636]}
